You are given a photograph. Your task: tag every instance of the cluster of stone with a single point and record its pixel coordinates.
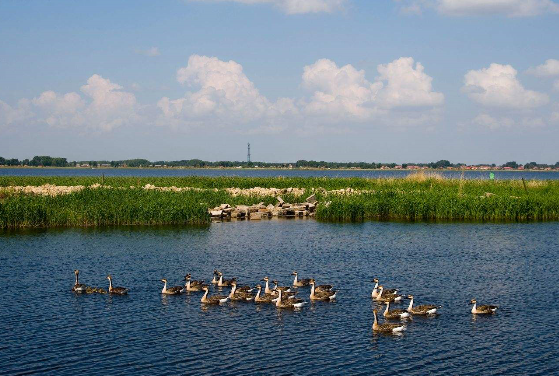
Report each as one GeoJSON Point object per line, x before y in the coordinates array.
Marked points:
{"type": "Point", "coordinates": [261, 211]}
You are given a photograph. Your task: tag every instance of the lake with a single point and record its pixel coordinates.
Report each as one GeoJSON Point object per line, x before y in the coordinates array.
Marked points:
{"type": "Point", "coordinates": [47, 329]}
{"type": "Point", "coordinates": [156, 172]}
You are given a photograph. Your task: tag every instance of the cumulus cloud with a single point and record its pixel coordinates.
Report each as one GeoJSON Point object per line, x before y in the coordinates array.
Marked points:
{"type": "Point", "coordinates": [344, 92]}
{"type": "Point", "coordinates": [226, 94]}
{"type": "Point", "coordinates": [294, 6]}
{"type": "Point", "coordinates": [105, 107]}
{"type": "Point", "coordinates": [509, 8]}
{"type": "Point", "coordinates": [497, 86]}
{"type": "Point", "coordinates": [549, 68]}
{"type": "Point", "coordinates": [151, 52]}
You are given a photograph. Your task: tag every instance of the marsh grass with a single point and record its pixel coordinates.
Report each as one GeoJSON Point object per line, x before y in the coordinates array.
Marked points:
{"type": "Point", "coordinates": [421, 197]}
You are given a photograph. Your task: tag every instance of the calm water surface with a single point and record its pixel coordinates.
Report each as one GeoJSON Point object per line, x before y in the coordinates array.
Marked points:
{"type": "Point", "coordinates": [154, 172]}
{"type": "Point", "coordinates": [46, 329]}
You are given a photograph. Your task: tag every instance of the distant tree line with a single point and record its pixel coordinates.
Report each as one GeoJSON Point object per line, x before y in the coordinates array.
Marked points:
{"type": "Point", "coordinates": [48, 161]}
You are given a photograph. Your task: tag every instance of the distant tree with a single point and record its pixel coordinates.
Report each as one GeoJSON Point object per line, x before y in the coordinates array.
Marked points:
{"type": "Point", "coordinates": [511, 164]}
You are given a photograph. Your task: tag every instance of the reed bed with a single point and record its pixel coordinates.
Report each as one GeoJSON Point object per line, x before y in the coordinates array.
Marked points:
{"type": "Point", "coordinates": [120, 201]}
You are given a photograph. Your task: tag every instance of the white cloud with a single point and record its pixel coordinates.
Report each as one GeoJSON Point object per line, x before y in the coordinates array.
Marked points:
{"type": "Point", "coordinates": [344, 92]}
{"type": "Point", "coordinates": [151, 52]}
{"type": "Point", "coordinates": [407, 86]}
{"type": "Point", "coordinates": [294, 6]}
{"type": "Point", "coordinates": [226, 95]}
{"type": "Point", "coordinates": [497, 86]}
{"type": "Point", "coordinates": [106, 107]}
{"type": "Point", "coordinates": [509, 8]}
{"type": "Point", "coordinates": [549, 68]}
{"type": "Point", "coordinates": [556, 85]}
{"type": "Point", "coordinates": [492, 122]}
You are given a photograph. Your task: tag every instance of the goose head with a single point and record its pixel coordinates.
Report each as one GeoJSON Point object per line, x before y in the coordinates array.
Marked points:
{"type": "Point", "coordinates": [76, 272]}
{"type": "Point", "coordinates": [473, 301]}
{"type": "Point", "coordinates": [294, 273]}
{"type": "Point", "coordinates": [109, 277]}
{"type": "Point", "coordinates": [265, 279]}
{"type": "Point", "coordinates": [410, 296]}
{"type": "Point", "coordinates": [187, 277]}
{"type": "Point", "coordinates": [164, 280]}
{"type": "Point", "coordinates": [311, 282]}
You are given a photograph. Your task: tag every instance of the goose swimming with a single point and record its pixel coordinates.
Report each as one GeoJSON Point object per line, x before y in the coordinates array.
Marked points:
{"type": "Point", "coordinates": [288, 303]}
{"type": "Point", "coordinates": [375, 292]}
{"type": "Point", "coordinates": [482, 309]}
{"type": "Point", "coordinates": [386, 327]}
{"type": "Point", "coordinates": [321, 295]}
{"type": "Point", "coordinates": [395, 313]}
{"type": "Point", "coordinates": [192, 285]}
{"type": "Point", "coordinates": [385, 297]}
{"type": "Point", "coordinates": [262, 298]}
{"type": "Point", "coordinates": [215, 278]}
{"type": "Point", "coordinates": [236, 296]}
{"type": "Point", "coordinates": [116, 290]}
{"type": "Point", "coordinates": [224, 282]}
{"type": "Point", "coordinates": [425, 309]}
{"type": "Point", "coordinates": [214, 299]}
{"type": "Point", "coordinates": [78, 287]}
{"type": "Point", "coordinates": [300, 282]}
{"type": "Point", "coordinates": [175, 290]}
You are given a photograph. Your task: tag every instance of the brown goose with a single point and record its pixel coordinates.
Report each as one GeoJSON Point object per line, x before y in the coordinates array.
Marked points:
{"type": "Point", "coordinates": [116, 290]}
{"type": "Point", "coordinates": [78, 287]}
{"type": "Point", "coordinates": [175, 290]}
{"type": "Point", "coordinates": [386, 327]}
{"type": "Point", "coordinates": [215, 278]}
{"type": "Point", "coordinates": [425, 309]}
{"type": "Point", "coordinates": [224, 282]}
{"type": "Point", "coordinates": [385, 297]}
{"type": "Point", "coordinates": [321, 295]}
{"type": "Point", "coordinates": [288, 303]}
{"type": "Point", "coordinates": [262, 298]}
{"type": "Point", "coordinates": [191, 285]}
{"type": "Point", "coordinates": [375, 292]}
{"type": "Point", "coordinates": [214, 299]}
{"type": "Point", "coordinates": [282, 288]}
{"type": "Point", "coordinates": [395, 313]}
{"type": "Point", "coordinates": [482, 309]}
{"type": "Point", "coordinates": [300, 282]}
{"type": "Point", "coordinates": [239, 296]}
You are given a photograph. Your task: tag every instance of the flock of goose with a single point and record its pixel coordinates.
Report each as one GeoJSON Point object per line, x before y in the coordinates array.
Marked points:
{"type": "Point", "coordinates": [285, 297]}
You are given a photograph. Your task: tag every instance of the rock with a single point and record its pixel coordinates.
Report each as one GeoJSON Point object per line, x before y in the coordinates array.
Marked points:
{"type": "Point", "coordinates": [224, 206]}
{"type": "Point", "coordinates": [280, 201]}
{"type": "Point", "coordinates": [256, 216]}
{"type": "Point", "coordinates": [216, 213]}
{"type": "Point", "coordinates": [311, 199]}
{"type": "Point", "coordinates": [270, 207]}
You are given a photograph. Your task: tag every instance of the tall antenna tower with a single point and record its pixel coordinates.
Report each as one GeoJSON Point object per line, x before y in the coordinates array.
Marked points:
{"type": "Point", "coordinates": [248, 154]}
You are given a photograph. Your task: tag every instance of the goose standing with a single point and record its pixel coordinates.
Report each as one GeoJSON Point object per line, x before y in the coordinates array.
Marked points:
{"type": "Point", "coordinates": [321, 295]}
{"type": "Point", "coordinates": [425, 309]}
{"type": "Point", "coordinates": [386, 327]}
{"type": "Point", "coordinates": [78, 287]}
{"type": "Point", "coordinates": [214, 299]}
{"type": "Point", "coordinates": [395, 313]}
{"type": "Point", "coordinates": [175, 290]}
{"type": "Point", "coordinates": [116, 290]}
{"type": "Point", "coordinates": [482, 309]}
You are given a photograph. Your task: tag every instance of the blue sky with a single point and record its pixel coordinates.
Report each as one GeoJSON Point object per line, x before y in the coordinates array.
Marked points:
{"type": "Point", "coordinates": [341, 80]}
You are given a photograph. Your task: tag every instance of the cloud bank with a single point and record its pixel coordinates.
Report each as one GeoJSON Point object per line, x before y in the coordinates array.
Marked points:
{"type": "Point", "coordinates": [508, 8]}
{"type": "Point", "coordinates": [294, 6]}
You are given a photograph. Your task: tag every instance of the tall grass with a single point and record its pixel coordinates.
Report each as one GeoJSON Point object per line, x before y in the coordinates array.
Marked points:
{"type": "Point", "coordinates": [415, 198]}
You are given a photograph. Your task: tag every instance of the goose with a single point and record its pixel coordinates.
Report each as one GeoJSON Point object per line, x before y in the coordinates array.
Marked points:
{"type": "Point", "coordinates": [425, 309]}
{"type": "Point", "coordinates": [321, 295]}
{"type": "Point", "coordinates": [375, 292]}
{"type": "Point", "coordinates": [192, 285]}
{"type": "Point", "coordinates": [215, 279]}
{"type": "Point", "coordinates": [244, 288]}
{"type": "Point", "coordinates": [267, 288]}
{"type": "Point", "coordinates": [266, 298]}
{"type": "Point", "coordinates": [78, 287]}
{"type": "Point", "coordinates": [95, 290]}
{"type": "Point", "coordinates": [214, 299]}
{"type": "Point", "coordinates": [175, 290]}
{"type": "Point", "coordinates": [223, 282]}
{"type": "Point", "coordinates": [239, 296]}
{"type": "Point", "coordinates": [282, 288]}
{"type": "Point", "coordinates": [386, 327]}
{"type": "Point", "coordinates": [395, 313]}
{"type": "Point", "coordinates": [384, 297]}
{"type": "Point", "coordinates": [300, 282]}
{"type": "Point", "coordinates": [288, 303]}
{"type": "Point", "coordinates": [482, 309]}
{"type": "Point", "coordinates": [116, 290]}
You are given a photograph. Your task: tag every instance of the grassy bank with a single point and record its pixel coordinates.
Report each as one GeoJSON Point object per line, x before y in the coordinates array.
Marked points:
{"type": "Point", "coordinates": [416, 198]}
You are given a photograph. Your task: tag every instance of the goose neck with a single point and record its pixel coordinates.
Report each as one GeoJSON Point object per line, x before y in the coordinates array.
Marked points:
{"type": "Point", "coordinates": [411, 305]}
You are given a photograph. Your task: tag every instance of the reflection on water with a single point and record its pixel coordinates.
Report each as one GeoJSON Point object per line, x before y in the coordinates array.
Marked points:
{"type": "Point", "coordinates": [44, 328]}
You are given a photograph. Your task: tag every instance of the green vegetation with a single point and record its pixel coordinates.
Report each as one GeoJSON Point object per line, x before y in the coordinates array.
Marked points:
{"type": "Point", "coordinates": [420, 197]}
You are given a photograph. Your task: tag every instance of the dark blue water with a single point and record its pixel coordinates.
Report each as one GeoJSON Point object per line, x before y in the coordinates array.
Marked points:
{"type": "Point", "coordinates": [46, 329]}
{"type": "Point", "coordinates": [154, 172]}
